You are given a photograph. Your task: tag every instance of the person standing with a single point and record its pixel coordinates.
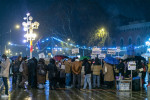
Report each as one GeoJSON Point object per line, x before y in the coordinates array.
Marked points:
{"type": "Point", "coordinates": [76, 69]}
{"type": "Point", "coordinates": [87, 70]}
{"type": "Point", "coordinates": [32, 73]}
{"type": "Point", "coordinates": [108, 74]}
{"type": "Point", "coordinates": [68, 73]}
{"type": "Point", "coordinates": [41, 73]}
{"type": "Point", "coordinates": [52, 74]}
{"type": "Point", "coordinates": [5, 64]}
{"type": "Point", "coordinates": [15, 69]}
{"type": "Point", "coordinates": [24, 70]}
{"type": "Point", "coordinates": [97, 70]}
{"type": "Point", "coordinates": [18, 63]}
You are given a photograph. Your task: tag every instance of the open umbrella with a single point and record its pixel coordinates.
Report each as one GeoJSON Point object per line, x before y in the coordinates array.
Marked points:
{"type": "Point", "coordinates": [81, 58]}
{"type": "Point", "coordinates": [139, 58]}
{"type": "Point", "coordinates": [60, 57]}
{"type": "Point", "coordinates": [111, 60]}
{"type": "Point", "coordinates": [13, 57]}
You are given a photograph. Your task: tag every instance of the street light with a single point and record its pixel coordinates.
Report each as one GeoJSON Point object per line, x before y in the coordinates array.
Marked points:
{"type": "Point", "coordinates": [101, 32]}
{"type": "Point", "coordinates": [17, 26]}
{"type": "Point", "coordinates": [68, 39]}
{"type": "Point", "coordinates": [28, 27]}
{"type": "Point", "coordinates": [8, 51]}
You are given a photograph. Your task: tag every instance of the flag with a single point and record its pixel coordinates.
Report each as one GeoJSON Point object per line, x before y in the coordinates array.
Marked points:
{"type": "Point", "coordinates": [38, 45]}
{"type": "Point", "coordinates": [31, 46]}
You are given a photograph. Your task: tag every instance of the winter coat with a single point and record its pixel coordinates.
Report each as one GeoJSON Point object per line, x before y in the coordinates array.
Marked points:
{"type": "Point", "coordinates": [76, 67]}
{"type": "Point", "coordinates": [25, 68]}
{"type": "Point", "coordinates": [109, 74]}
{"type": "Point", "coordinates": [52, 70]}
{"type": "Point", "coordinates": [121, 68]}
{"type": "Point", "coordinates": [96, 69]}
{"type": "Point", "coordinates": [5, 68]}
{"type": "Point", "coordinates": [67, 67]}
{"type": "Point", "coordinates": [62, 73]}
{"type": "Point", "coordinates": [87, 68]}
{"type": "Point", "coordinates": [32, 67]}
{"type": "Point", "coordinates": [16, 66]}
{"type": "Point", "coordinates": [41, 79]}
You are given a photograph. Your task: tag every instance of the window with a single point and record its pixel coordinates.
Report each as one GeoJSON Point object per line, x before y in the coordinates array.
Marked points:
{"type": "Point", "coordinates": [121, 42]}
{"type": "Point", "coordinates": [138, 41]}
{"type": "Point", "coordinates": [114, 43]}
{"type": "Point", "coordinates": [130, 41]}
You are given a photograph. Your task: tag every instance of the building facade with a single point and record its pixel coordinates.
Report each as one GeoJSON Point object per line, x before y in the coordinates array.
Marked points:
{"type": "Point", "coordinates": [134, 33]}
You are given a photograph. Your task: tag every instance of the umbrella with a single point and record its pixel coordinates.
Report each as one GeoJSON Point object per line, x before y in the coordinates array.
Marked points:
{"type": "Point", "coordinates": [60, 57]}
{"type": "Point", "coordinates": [130, 59]}
{"type": "Point", "coordinates": [139, 58]}
{"type": "Point", "coordinates": [111, 60]}
{"type": "Point", "coordinates": [13, 57]}
{"type": "Point", "coordinates": [136, 58]}
{"type": "Point", "coordinates": [81, 58]}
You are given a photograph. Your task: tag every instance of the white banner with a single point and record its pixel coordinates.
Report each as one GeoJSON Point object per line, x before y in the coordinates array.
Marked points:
{"type": "Point", "coordinates": [111, 51]}
{"type": "Point", "coordinates": [96, 51]}
{"type": "Point", "coordinates": [93, 56]}
{"type": "Point", "coordinates": [132, 65]}
{"type": "Point", "coordinates": [41, 55]}
{"type": "Point", "coordinates": [102, 56]}
{"type": "Point", "coordinates": [118, 49]}
{"type": "Point", "coordinates": [75, 50]}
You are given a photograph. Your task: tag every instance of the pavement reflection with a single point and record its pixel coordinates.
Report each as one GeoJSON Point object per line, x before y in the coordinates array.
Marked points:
{"type": "Point", "coordinates": [16, 93]}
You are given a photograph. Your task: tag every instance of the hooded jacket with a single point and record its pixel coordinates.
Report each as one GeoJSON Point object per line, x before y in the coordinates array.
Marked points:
{"type": "Point", "coordinates": [5, 68]}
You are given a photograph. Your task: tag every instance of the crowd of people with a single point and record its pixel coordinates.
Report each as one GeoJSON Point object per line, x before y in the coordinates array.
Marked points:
{"type": "Point", "coordinates": [68, 73]}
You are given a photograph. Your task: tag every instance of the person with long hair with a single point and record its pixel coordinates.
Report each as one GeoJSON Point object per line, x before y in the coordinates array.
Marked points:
{"type": "Point", "coordinates": [5, 64]}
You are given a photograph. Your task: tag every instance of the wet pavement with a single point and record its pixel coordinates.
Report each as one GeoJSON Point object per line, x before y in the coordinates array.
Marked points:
{"type": "Point", "coordinates": [71, 94]}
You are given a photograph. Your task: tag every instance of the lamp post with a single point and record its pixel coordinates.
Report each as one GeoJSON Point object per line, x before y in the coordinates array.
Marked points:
{"type": "Point", "coordinates": [8, 52]}
{"type": "Point", "coordinates": [28, 27]}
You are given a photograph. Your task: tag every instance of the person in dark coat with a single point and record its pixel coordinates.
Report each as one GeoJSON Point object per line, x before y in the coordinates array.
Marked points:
{"type": "Point", "coordinates": [52, 73]}
{"type": "Point", "coordinates": [121, 67]}
{"type": "Point", "coordinates": [32, 73]}
{"type": "Point", "coordinates": [87, 70]}
{"type": "Point", "coordinates": [15, 70]}
{"type": "Point", "coordinates": [24, 72]}
{"type": "Point", "coordinates": [41, 73]}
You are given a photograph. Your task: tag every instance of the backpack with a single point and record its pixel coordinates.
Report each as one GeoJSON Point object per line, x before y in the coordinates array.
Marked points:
{"type": "Point", "coordinates": [41, 70]}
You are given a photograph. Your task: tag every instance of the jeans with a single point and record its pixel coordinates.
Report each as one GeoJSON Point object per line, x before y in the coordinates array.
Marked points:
{"type": "Point", "coordinates": [87, 79]}
{"type": "Point", "coordinates": [6, 85]}
{"type": "Point", "coordinates": [14, 79]}
{"type": "Point", "coordinates": [52, 83]}
{"type": "Point", "coordinates": [96, 78]}
{"type": "Point", "coordinates": [68, 79]}
{"type": "Point", "coordinates": [77, 77]}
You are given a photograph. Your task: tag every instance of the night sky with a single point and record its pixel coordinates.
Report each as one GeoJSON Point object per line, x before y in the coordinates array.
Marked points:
{"type": "Point", "coordinates": [70, 18]}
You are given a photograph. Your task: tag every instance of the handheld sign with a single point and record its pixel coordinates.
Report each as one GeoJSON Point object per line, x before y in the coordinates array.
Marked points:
{"type": "Point", "coordinates": [93, 56]}
{"type": "Point", "coordinates": [41, 55]}
{"type": "Point", "coordinates": [118, 49]}
{"type": "Point", "coordinates": [111, 51]}
{"type": "Point", "coordinates": [96, 51]}
{"type": "Point", "coordinates": [132, 65]}
{"type": "Point", "coordinates": [102, 56]}
{"type": "Point", "coordinates": [75, 50]}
